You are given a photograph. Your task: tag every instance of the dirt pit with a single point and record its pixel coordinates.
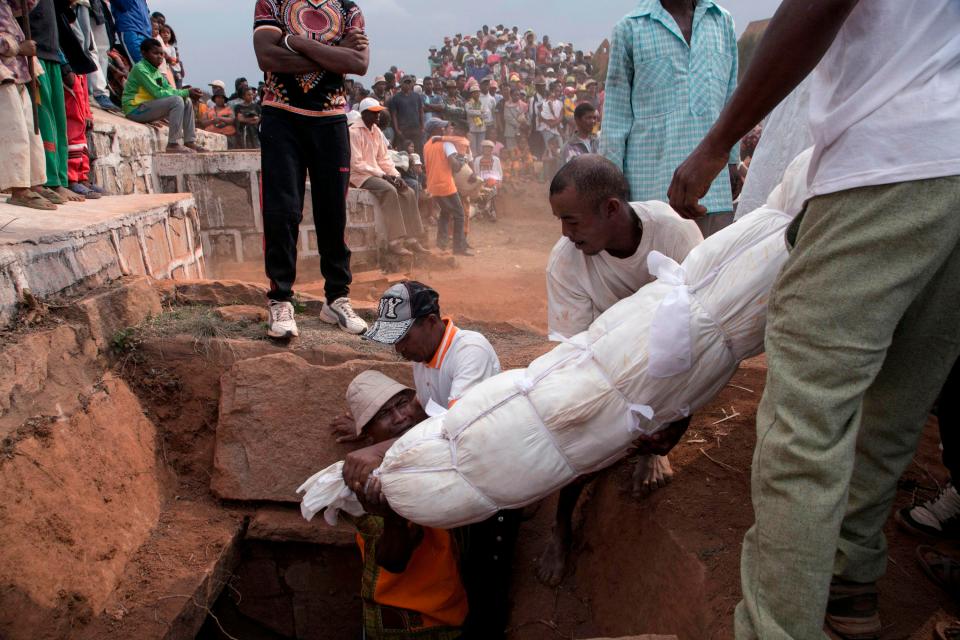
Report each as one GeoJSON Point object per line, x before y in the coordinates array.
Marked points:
{"type": "Point", "coordinates": [192, 565]}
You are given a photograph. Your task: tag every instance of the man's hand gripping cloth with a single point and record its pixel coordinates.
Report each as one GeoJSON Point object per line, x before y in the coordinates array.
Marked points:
{"type": "Point", "coordinates": [649, 360]}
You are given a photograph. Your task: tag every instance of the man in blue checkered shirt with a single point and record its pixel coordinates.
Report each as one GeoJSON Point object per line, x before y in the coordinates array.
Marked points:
{"type": "Point", "coordinates": [673, 67]}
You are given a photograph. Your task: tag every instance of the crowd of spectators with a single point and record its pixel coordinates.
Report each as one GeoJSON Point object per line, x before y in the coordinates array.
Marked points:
{"type": "Point", "coordinates": [512, 88]}
{"type": "Point", "coordinates": [509, 105]}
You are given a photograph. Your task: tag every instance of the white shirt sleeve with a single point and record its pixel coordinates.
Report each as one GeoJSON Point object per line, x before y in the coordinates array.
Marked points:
{"type": "Point", "coordinates": [449, 149]}
{"type": "Point", "coordinates": [569, 311]}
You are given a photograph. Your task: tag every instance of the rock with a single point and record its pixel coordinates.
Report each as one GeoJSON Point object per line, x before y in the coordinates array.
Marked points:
{"type": "Point", "coordinates": [283, 524]}
{"type": "Point", "coordinates": [273, 432]}
{"type": "Point", "coordinates": [242, 313]}
{"type": "Point", "coordinates": [134, 300]}
{"type": "Point", "coordinates": [219, 293]}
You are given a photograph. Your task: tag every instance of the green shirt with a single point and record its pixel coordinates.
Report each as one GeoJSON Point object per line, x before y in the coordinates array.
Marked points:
{"type": "Point", "coordinates": [146, 83]}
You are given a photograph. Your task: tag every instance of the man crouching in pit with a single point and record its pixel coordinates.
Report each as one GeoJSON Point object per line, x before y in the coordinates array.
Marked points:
{"type": "Point", "coordinates": [600, 260]}
{"type": "Point", "coordinates": [411, 585]}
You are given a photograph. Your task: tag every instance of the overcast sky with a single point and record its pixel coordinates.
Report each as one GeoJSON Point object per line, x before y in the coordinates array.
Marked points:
{"type": "Point", "coordinates": [215, 35]}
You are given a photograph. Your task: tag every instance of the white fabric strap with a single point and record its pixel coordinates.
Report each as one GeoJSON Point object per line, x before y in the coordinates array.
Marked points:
{"type": "Point", "coordinates": [670, 344]}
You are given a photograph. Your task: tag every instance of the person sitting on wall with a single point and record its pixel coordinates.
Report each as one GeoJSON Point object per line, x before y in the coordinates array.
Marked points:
{"type": "Point", "coordinates": [149, 97]}
{"type": "Point", "coordinates": [371, 168]}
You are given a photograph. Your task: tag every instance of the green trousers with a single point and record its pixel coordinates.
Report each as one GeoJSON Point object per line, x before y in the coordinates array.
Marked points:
{"type": "Point", "coordinates": [863, 328]}
{"type": "Point", "coordinates": [53, 124]}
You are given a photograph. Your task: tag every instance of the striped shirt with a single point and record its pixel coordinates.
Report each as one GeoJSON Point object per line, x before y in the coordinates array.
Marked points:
{"type": "Point", "coordinates": [663, 95]}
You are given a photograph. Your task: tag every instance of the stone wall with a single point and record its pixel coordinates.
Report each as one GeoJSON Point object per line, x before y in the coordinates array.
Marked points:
{"type": "Point", "coordinates": [82, 246]}
{"type": "Point", "coordinates": [124, 152]}
{"type": "Point", "coordinates": [226, 187]}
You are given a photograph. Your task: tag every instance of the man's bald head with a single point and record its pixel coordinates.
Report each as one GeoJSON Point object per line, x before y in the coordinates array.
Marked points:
{"type": "Point", "coordinates": [590, 197]}
{"type": "Point", "coordinates": [595, 179]}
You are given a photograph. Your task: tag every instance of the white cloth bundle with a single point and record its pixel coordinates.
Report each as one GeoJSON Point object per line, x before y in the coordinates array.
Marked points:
{"type": "Point", "coordinates": [519, 436]}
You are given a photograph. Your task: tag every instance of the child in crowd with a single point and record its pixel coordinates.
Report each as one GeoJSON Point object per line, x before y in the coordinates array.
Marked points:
{"type": "Point", "coordinates": [79, 121]}
{"type": "Point", "coordinates": [171, 54]}
{"type": "Point", "coordinates": [149, 97]}
{"type": "Point", "coordinates": [248, 120]}
{"type": "Point", "coordinates": [488, 170]}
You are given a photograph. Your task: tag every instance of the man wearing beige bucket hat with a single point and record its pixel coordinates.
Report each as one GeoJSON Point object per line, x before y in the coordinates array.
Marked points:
{"type": "Point", "coordinates": [448, 361]}
{"type": "Point", "coordinates": [411, 583]}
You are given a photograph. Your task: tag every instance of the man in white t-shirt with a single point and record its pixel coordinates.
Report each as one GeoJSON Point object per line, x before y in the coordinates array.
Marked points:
{"type": "Point", "coordinates": [447, 362]}
{"type": "Point", "coordinates": [863, 324]}
{"type": "Point", "coordinates": [600, 260]}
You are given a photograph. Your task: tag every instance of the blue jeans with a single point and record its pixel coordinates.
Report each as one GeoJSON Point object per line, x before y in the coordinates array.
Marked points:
{"type": "Point", "coordinates": [131, 42]}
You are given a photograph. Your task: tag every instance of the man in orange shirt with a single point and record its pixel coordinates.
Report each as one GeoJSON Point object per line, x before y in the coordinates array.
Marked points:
{"type": "Point", "coordinates": [411, 585]}
{"type": "Point", "coordinates": [442, 161]}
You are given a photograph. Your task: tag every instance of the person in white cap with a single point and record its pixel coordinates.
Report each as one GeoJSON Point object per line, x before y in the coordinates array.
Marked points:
{"type": "Point", "coordinates": [371, 168]}
{"type": "Point", "coordinates": [411, 585]}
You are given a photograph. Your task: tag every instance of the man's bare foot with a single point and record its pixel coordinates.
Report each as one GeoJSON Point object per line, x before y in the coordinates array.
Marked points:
{"type": "Point", "coordinates": [195, 147]}
{"type": "Point", "coordinates": [552, 565]}
{"type": "Point", "coordinates": [651, 473]}
{"type": "Point", "coordinates": [178, 148]}
{"type": "Point", "coordinates": [67, 195]}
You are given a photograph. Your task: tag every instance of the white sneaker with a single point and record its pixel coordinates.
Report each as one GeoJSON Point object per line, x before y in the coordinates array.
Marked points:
{"type": "Point", "coordinates": [282, 324]}
{"type": "Point", "coordinates": [341, 312]}
{"type": "Point", "coordinates": [939, 518]}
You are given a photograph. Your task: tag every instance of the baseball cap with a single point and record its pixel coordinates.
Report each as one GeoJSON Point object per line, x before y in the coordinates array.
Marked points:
{"type": "Point", "coordinates": [368, 393]}
{"type": "Point", "coordinates": [219, 83]}
{"type": "Point", "coordinates": [378, 80]}
{"type": "Point", "coordinates": [435, 124]}
{"type": "Point", "coordinates": [400, 307]}
{"type": "Point", "coordinates": [370, 104]}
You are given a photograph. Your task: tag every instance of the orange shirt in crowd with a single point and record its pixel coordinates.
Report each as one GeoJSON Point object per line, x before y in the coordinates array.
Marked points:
{"type": "Point", "coordinates": [439, 175]}
{"type": "Point", "coordinates": [224, 112]}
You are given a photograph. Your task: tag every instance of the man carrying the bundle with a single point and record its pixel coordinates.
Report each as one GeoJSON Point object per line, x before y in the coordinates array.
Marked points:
{"type": "Point", "coordinates": [411, 583]}
{"type": "Point", "coordinates": [600, 260]}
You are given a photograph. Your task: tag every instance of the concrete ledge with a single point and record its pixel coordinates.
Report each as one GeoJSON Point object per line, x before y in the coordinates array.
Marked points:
{"type": "Point", "coordinates": [87, 244]}
{"type": "Point", "coordinates": [125, 152]}
{"type": "Point", "coordinates": [226, 186]}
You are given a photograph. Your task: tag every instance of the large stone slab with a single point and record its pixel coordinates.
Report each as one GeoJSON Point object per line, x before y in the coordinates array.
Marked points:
{"type": "Point", "coordinates": [273, 432]}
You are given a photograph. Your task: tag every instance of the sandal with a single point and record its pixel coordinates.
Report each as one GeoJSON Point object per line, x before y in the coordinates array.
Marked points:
{"type": "Point", "coordinates": [852, 610]}
{"type": "Point", "coordinates": [94, 188]}
{"type": "Point", "coordinates": [81, 190]}
{"type": "Point", "coordinates": [947, 630]}
{"type": "Point", "coordinates": [940, 568]}
{"type": "Point", "coordinates": [32, 200]}
{"type": "Point", "coordinates": [50, 195]}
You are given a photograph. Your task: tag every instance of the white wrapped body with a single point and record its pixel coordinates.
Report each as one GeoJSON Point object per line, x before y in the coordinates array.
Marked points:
{"type": "Point", "coordinates": [521, 435]}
